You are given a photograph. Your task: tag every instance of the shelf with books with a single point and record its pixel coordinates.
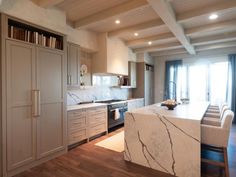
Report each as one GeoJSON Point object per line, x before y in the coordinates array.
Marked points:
{"type": "Point", "coordinates": [27, 33]}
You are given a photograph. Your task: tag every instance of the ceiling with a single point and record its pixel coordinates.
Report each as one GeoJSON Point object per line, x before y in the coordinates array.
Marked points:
{"type": "Point", "coordinates": [180, 26]}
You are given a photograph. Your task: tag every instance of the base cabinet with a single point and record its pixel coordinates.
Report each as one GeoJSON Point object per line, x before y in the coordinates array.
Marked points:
{"type": "Point", "coordinates": [36, 112]}
{"type": "Point", "coordinates": [86, 123]}
{"type": "Point", "coordinates": [135, 103]}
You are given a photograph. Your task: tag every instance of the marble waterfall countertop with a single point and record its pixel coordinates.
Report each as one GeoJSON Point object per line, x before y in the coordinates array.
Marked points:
{"type": "Point", "coordinates": [166, 140]}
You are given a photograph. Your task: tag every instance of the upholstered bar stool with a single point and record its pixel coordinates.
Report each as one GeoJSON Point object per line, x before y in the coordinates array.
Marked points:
{"type": "Point", "coordinates": [212, 119]}
{"type": "Point", "coordinates": [216, 139]}
{"type": "Point", "coordinates": [216, 110]}
{"type": "Point", "coordinates": [215, 107]}
{"type": "Point", "coordinates": [217, 115]}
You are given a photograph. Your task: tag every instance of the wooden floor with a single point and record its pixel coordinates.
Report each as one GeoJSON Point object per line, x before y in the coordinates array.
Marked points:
{"type": "Point", "coordinates": [89, 160]}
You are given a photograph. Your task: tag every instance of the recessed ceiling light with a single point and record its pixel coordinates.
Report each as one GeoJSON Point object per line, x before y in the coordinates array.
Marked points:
{"type": "Point", "coordinates": [136, 34]}
{"type": "Point", "coordinates": [213, 16]}
{"type": "Point", "coordinates": [150, 43]}
{"type": "Point", "coordinates": [117, 21]}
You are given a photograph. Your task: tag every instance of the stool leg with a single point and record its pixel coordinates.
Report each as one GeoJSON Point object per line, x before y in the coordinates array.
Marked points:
{"type": "Point", "coordinates": [226, 162]}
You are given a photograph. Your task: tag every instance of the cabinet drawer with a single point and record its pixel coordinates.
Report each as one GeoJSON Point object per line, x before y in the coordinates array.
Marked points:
{"type": "Point", "coordinates": [76, 114]}
{"type": "Point", "coordinates": [97, 129]}
{"type": "Point", "coordinates": [77, 136]}
{"type": "Point", "coordinates": [97, 110]}
{"type": "Point", "coordinates": [76, 124]}
{"type": "Point", "coordinates": [97, 119]}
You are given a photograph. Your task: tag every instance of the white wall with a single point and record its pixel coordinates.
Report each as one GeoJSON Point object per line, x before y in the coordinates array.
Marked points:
{"type": "Point", "coordinates": [209, 56]}
{"type": "Point", "coordinates": [144, 57]}
{"type": "Point", "coordinates": [51, 18]}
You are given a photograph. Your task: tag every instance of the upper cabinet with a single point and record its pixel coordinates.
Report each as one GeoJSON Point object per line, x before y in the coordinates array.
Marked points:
{"type": "Point", "coordinates": [132, 74]}
{"type": "Point", "coordinates": [79, 61]}
{"type": "Point", "coordinates": [73, 64]}
{"type": "Point", "coordinates": [85, 68]}
{"type": "Point", "coordinates": [112, 57]}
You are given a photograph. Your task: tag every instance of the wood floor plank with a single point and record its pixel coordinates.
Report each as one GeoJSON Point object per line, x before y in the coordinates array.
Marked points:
{"type": "Point", "coordinates": [89, 160]}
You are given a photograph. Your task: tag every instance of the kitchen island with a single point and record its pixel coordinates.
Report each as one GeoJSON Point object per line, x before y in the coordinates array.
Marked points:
{"type": "Point", "coordinates": [166, 140]}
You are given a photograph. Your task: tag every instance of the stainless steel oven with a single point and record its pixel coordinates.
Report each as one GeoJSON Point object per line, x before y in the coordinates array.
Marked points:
{"type": "Point", "coordinates": [116, 114]}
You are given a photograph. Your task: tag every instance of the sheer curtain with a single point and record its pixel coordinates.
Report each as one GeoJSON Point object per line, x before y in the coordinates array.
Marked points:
{"type": "Point", "coordinates": [232, 82]}
{"type": "Point", "coordinates": [198, 81]}
{"type": "Point", "coordinates": [207, 82]}
{"type": "Point", "coordinates": [218, 82]}
{"type": "Point", "coordinates": [172, 70]}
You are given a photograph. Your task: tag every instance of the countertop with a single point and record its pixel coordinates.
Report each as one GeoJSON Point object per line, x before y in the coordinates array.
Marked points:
{"type": "Point", "coordinates": [193, 111]}
{"type": "Point", "coordinates": [91, 105]}
{"type": "Point", "coordinates": [84, 106]}
{"type": "Point", "coordinates": [133, 99]}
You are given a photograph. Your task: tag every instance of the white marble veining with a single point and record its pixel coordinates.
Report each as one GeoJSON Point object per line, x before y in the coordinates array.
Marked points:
{"type": "Point", "coordinates": [168, 141]}
{"type": "Point", "coordinates": [76, 96]}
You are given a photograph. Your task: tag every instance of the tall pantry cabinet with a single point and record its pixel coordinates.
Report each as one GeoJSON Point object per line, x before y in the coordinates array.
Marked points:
{"type": "Point", "coordinates": [34, 93]}
{"type": "Point", "coordinates": [145, 80]}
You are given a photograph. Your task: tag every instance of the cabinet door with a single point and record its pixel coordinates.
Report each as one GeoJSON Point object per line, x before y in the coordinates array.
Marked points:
{"type": "Point", "coordinates": [147, 84]}
{"type": "Point", "coordinates": [51, 125]}
{"type": "Point", "coordinates": [73, 65]}
{"type": "Point", "coordinates": [132, 74]}
{"type": "Point", "coordinates": [21, 127]}
{"type": "Point", "coordinates": [149, 80]}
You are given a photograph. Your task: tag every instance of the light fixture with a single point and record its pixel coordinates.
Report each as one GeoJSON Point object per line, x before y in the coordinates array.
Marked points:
{"type": "Point", "coordinates": [117, 21]}
{"type": "Point", "coordinates": [136, 34]}
{"type": "Point", "coordinates": [150, 43]}
{"type": "Point", "coordinates": [213, 16]}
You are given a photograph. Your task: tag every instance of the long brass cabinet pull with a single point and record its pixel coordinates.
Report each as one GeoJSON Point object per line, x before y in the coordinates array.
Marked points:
{"type": "Point", "coordinates": [36, 103]}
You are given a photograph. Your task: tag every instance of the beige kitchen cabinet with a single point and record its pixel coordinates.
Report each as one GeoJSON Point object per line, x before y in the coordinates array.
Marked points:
{"type": "Point", "coordinates": [73, 64]}
{"type": "Point", "coordinates": [36, 120]}
{"type": "Point", "coordinates": [145, 80]}
{"type": "Point", "coordinates": [132, 77]}
{"type": "Point", "coordinates": [86, 123]}
{"type": "Point", "coordinates": [135, 103]}
{"type": "Point", "coordinates": [77, 126]}
{"type": "Point", "coordinates": [21, 125]}
{"type": "Point", "coordinates": [112, 56]}
{"type": "Point", "coordinates": [97, 120]}
{"type": "Point", "coordinates": [51, 125]}
{"type": "Point", "coordinates": [33, 96]}
{"type": "Point", "coordinates": [86, 60]}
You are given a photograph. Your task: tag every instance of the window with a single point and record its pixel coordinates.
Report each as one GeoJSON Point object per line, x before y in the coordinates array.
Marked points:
{"type": "Point", "coordinates": [203, 82]}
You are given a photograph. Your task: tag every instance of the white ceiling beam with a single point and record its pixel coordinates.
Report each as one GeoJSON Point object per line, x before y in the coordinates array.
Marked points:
{"type": "Point", "coordinates": [168, 52]}
{"type": "Point", "coordinates": [165, 37]}
{"type": "Point", "coordinates": [137, 27]}
{"type": "Point", "coordinates": [165, 11]}
{"type": "Point", "coordinates": [225, 37]}
{"type": "Point", "coordinates": [216, 46]}
{"type": "Point", "coordinates": [211, 27]}
{"type": "Point", "coordinates": [198, 49]}
{"type": "Point", "coordinates": [221, 7]}
{"type": "Point", "coordinates": [47, 3]}
{"type": "Point", "coordinates": [203, 41]}
{"type": "Point", "coordinates": [160, 47]}
{"type": "Point", "coordinates": [186, 16]}
{"type": "Point", "coordinates": [108, 13]}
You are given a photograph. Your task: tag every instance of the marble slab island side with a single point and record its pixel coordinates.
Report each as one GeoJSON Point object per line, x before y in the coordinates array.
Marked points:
{"type": "Point", "coordinates": [166, 140]}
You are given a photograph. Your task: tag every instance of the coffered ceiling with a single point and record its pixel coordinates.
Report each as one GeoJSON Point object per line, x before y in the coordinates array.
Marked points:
{"type": "Point", "coordinates": [164, 27]}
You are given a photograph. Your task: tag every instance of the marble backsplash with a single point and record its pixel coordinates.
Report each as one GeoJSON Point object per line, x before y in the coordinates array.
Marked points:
{"type": "Point", "coordinates": [85, 94]}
